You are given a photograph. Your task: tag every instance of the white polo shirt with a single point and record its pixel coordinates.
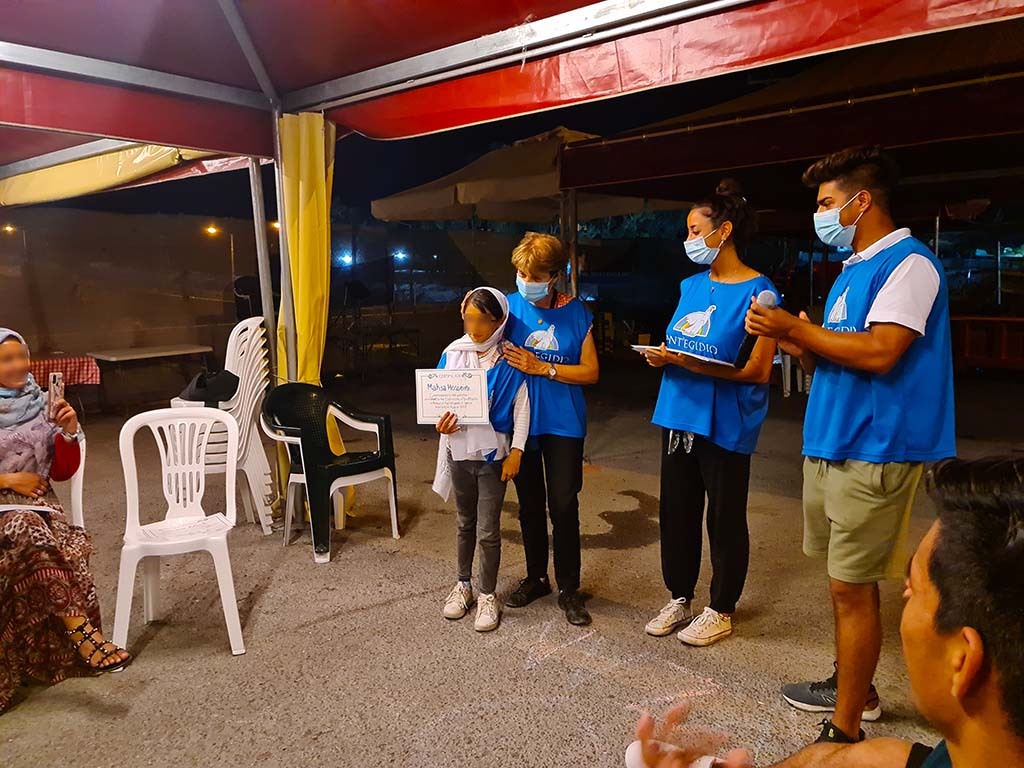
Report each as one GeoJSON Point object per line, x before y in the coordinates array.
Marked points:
{"type": "Point", "coordinates": [907, 297]}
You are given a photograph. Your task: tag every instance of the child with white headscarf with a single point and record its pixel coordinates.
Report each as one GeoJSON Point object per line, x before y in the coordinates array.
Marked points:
{"type": "Point", "coordinates": [478, 461]}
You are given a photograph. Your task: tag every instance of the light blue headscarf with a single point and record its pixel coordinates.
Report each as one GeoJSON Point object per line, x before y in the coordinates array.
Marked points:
{"type": "Point", "coordinates": [21, 405]}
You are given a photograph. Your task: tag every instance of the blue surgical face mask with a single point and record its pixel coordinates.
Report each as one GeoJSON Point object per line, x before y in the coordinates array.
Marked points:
{"type": "Point", "coordinates": [831, 231]}
{"type": "Point", "coordinates": [699, 251]}
{"type": "Point", "coordinates": [532, 292]}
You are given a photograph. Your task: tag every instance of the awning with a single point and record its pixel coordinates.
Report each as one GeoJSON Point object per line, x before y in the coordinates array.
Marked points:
{"type": "Point", "coordinates": [944, 111]}
{"type": "Point", "coordinates": [201, 75]}
{"type": "Point", "coordinates": [121, 167]}
{"type": "Point", "coordinates": [743, 36]}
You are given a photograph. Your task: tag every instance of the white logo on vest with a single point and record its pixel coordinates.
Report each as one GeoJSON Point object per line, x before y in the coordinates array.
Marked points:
{"type": "Point", "coordinates": [543, 340]}
{"type": "Point", "coordinates": [695, 323]}
{"type": "Point", "coordinates": [838, 311]}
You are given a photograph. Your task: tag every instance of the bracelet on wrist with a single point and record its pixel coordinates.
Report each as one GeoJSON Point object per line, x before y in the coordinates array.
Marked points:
{"type": "Point", "coordinates": [72, 437]}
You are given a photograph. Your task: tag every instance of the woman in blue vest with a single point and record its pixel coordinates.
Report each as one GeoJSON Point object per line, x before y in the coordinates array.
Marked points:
{"type": "Point", "coordinates": [477, 461]}
{"type": "Point", "coordinates": [549, 339]}
{"type": "Point", "coordinates": [710, 413]}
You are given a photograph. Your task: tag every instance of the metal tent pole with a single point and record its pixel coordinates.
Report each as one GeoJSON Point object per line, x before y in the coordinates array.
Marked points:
{"type": "Point", "coordinates": [574, 253]}
{"type": "Point", "coordinates": [567, 231]}
{"type": "Point", "coordinates": [259, 219]}
{"type": "Point", "coordinates": [999, 273]}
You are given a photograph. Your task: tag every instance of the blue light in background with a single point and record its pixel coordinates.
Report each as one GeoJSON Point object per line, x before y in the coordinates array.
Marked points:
{"type": "Point", "coordinates": [400, 255]}
{"type": "Point", "coordinates": [344, 258]}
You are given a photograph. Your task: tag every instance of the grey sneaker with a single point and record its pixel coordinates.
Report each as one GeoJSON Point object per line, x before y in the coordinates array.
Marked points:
{"type": "Point", "coordinates": [672, 617]}
{"type": "Point", "coordinates": [458, 601]}
{"type": "Point", "coordinates": [821, 697]}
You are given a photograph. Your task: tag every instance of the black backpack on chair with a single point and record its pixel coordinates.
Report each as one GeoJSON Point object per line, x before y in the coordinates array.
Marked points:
{"type": "Point", "coordinates": [211, 388]}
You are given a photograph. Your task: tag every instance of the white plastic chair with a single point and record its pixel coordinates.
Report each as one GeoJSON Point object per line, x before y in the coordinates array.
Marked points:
{"type": "Point", "coordinates": [296, 489]}
{"type": "Point", "coordinates": [77, 484]}
{"type": "Point", "coordinates": [789, 368]}
{"type": "Point", "coordinates": [183, 436]}
{"type": "Point", "coordinates": [247, 358]}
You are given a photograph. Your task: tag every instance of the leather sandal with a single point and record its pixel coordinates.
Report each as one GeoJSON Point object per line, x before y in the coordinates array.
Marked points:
{"type": "Point", "coordinates": [88, 636]}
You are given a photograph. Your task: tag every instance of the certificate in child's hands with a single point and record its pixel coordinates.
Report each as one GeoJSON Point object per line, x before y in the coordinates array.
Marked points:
{"type": "Point", "coordinates": [463, 393]}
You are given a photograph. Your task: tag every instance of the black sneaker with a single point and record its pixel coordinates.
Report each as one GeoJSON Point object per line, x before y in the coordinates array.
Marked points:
{"type": "Point", "coordinates": [832, 735]}
{"type": "Point", "coordinates": [575, 611]}
{"type": "Point", "coordinates": [821, 697]}
{"type": "Point", "coordinates": [528, 591]}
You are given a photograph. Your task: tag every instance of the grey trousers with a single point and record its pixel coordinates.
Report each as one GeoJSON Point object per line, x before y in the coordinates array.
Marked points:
{"type": "Point", "coordinates": [479, 495]}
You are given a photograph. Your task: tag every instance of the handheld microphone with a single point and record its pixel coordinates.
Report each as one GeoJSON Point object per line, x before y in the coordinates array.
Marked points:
{"type": "Point", "coordinates": [764, 299]}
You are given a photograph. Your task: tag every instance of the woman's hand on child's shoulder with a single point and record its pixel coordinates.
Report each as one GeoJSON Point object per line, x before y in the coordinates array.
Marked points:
{"type": "Point", "coordinates": [448, 424]}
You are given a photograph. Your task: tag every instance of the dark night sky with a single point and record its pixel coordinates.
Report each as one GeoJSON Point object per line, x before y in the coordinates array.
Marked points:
{"type": "Point", "coordinates": [366, 169]}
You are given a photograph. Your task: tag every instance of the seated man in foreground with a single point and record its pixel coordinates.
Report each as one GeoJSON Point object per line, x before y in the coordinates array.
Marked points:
{"type": "Point", "coordinates": [963, 637]}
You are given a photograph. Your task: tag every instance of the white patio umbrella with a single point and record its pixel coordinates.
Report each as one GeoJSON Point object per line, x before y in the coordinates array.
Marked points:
{"type": "Point", "coordinates": [519, 182]}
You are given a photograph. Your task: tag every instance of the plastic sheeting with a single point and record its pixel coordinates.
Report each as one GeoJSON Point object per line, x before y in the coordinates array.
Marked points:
{"type": "Point", "coordinates": [307, 163]}
{"type": "Point", "coordinates": [93, 174]}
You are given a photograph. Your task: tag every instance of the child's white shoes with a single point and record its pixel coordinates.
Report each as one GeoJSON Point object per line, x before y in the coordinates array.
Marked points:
{"type": "Point", "coordinates": [458, 601]}
{"type": "Point", "coordinates": [488, 614]}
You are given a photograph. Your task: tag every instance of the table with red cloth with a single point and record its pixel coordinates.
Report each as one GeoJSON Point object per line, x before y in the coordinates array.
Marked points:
{"type": "Point", "coordinates": [80, 369]}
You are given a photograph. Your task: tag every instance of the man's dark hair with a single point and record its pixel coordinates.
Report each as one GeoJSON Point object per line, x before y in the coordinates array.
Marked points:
{"type": "Point", "coordinates": [858, 168]}
{"type": "Point", "coordinates": [727, 203]}
{"type": "Point", "coordinates": [486, 302]}
{"type": "Point", "coordinates": [978, 564]}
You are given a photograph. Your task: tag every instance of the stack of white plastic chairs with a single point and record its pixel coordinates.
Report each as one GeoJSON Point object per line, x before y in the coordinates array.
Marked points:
{"type": "Point", "coordinates": [247, 358]}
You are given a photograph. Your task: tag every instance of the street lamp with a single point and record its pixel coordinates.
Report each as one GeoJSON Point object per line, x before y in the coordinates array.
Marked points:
{"type": "Point", "coordinates": [276, 225]}
{"type": "Point", "coordinates": [10, 229]}
{"type": "Point", "coordinates": [212, 230]}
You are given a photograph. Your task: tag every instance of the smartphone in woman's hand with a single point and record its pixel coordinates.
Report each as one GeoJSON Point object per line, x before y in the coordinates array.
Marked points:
{"type": "Point", "coordinates": [55, 393]}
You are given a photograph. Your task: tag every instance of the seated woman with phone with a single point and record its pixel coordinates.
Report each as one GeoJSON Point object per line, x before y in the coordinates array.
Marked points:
{"type": "Point", "coordinates": [49, 614]}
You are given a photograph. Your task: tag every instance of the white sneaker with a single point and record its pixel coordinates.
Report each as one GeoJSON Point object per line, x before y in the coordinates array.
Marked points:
{"type": "Point", "coordinates": [488, 614]}
{"type": "Point", "coordinates": [672, 616]}
{"type": "Point", "coordinates": [710, 627]}
{"type": "Point", "coordinates": [458, 601]}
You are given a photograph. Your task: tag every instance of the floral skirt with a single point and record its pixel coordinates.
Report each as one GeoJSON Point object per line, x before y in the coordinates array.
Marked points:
{"type": "Point", "coordinates": [44, 575]}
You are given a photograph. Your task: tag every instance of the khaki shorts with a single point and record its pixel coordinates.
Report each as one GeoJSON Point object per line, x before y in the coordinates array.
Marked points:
{"type": "Point", "coordinates": [856, 515]}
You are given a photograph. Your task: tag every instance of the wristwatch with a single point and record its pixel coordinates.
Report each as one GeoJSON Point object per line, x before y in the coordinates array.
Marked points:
{"type": "Point", "coordinates": [552, 373]}
{"type": "Point", "coordinates": [72, 438]}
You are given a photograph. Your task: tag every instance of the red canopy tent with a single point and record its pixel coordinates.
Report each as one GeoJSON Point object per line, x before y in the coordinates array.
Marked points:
{"type": "Point", "coordinates": [209, 76]}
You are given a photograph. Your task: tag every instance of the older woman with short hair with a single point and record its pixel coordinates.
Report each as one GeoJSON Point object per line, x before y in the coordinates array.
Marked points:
{"type": "Point", "coordinates": [49, 614]}
{"type": "Point", "coordinates": [551, 341]}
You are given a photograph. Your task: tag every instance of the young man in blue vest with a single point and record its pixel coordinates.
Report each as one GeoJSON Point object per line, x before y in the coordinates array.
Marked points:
{"type": "Point", "coordinates": [881, 404]}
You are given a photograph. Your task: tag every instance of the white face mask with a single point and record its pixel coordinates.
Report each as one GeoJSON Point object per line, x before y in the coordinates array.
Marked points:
{"type": "Point", "coordinates": [831, 231]}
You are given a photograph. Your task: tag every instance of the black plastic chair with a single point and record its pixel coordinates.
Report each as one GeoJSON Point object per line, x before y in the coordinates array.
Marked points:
{"type": "Point", "coordinates": [297, 414]}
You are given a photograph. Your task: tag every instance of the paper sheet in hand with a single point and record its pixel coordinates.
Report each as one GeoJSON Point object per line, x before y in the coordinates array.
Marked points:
{"type": "Point", "coordinates": [463, 393]}
{"type": "Point", "coordinates": [642, 348]}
